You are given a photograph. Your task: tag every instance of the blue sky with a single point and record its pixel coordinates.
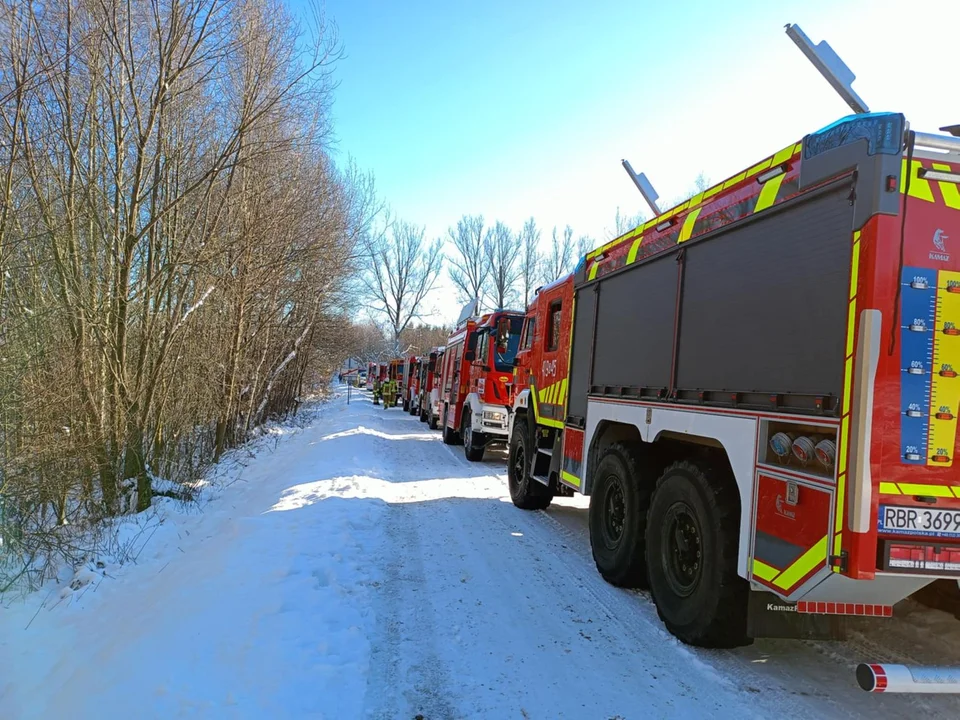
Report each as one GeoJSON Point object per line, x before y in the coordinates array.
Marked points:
{"type": "Point", "coordinates": [513, 109]}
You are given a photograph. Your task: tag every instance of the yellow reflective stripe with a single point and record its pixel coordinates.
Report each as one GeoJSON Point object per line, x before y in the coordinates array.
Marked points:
{"type": "Point", "coordinates": [807, 562]}
{"type": "Point", "coordinates": [758, 168]}
{"type": "Point", "coordinates": [735, 179]}
{"type": "Point", "coordinates": [710, 192]}
{"type": "Point", "coordinates": [634, 249]}
{"type": "Point", "coordinates": [696, 199]}
{"type": "Point", "coordinates": [855, 269]}
{"type": "Point", "coordinates": [572, 479]}
{"type": "Point", "coordinates": [843, 449]}
{"type": "Point", "coordinates": [563, 391]}
{"type": "Point", "coordinates": [593, 270]}
{"type": "Point", "coordinates": [688, 222]}
{"type": "Point", "coordinates": [948, 491]}
{"type": "Point", "coordinates": [931, 490]}
{"type": "Point", "coordinates": [764, 571]}
{"type": "Point", "coordinates": [848, 380]}
{"type": "Point", "coordinates": [768, 195]}
{"type": "Point", "coordinates": [550, 423]}
{"type": "Point", "coordinates": [919, 188]}
{"type": "Point", "coordinates": [951, 195]}
{"type": "Point", "coordinates": [533, 397]}
{"type": "Point", "coordinates": [784, 155]}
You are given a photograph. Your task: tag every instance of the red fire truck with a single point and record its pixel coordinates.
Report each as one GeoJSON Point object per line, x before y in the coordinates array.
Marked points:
{"type": "Point", "coordinates": [758, 388]}
{"type": "Point", "coordinates": [476, 380]}
{"type": "Point", "coordinates": [425, 384]}
{"type": "Point", "coordinates": [411, 385]}
{"type": "Point", "coordinates": [434, 400]}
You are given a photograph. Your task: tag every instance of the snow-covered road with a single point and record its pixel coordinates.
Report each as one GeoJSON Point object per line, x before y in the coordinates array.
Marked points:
{"type": "Point", "coordinates": [363, 569]}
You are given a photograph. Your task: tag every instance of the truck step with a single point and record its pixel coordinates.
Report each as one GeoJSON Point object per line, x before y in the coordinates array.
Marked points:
{"type": "Point", "coordinates": [541, 479]}
{"type": "Point", "coordinates": [545, 451]}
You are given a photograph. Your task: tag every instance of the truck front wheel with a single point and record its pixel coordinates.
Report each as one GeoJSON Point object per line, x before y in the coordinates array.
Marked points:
{"type": "Point", "coordinates": [618, 517]}
{"type": "Point", "coordinates": [473, 443]}
{"type": "Point", "coordinates": [526, 493]}
{"type": "Point", "coordinates": [692, 545]}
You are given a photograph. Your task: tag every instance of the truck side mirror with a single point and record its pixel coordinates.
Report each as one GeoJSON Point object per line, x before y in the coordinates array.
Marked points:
{"type": "Point", "coordinates": [470, 355]}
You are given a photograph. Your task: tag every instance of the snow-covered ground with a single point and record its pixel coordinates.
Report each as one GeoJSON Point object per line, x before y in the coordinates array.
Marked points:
{"type": "Point", "coordinates": [362, 569]}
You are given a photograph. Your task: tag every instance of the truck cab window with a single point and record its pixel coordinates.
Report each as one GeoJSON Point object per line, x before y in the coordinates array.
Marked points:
{"type": "Point", "coordinates": [481, 358]}
{"type": "Point", "coordinates": [553, 329]}
{"type": "Point", "coordinates": [528, 330]}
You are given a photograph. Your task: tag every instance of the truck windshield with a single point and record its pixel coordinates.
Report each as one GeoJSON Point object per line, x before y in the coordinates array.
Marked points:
{"type": "Point", "coordinates": [503, 357]}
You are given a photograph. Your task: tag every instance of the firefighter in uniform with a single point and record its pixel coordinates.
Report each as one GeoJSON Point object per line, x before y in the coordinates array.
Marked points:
{"type": "Point", "coordinates": [389, 393]}
{"type": "Point", "coordinates": [376, 390]}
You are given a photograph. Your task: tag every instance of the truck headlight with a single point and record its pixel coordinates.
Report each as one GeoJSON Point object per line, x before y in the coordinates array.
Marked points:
{"type": "Point", "coordinates": [493, 416]}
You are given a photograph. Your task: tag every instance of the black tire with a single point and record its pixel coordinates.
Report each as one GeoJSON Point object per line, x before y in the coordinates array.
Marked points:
{"type": "Point", "coordinates": [473, 443]}
{"type": "Point", "coordinates": [692, 547]}
{"type": "Point", "coordinates": [449, 435]}
{"type": "Point", "coordinates": [526, 493]}
{"type": "Point", "coordinates": [423, 415]}
{"type": "Point", "coordinates": [619, 502]}
{"type": "Point", "coordinates": [406, 406]}
{"type": "Point", "coordinates": [434, 422]}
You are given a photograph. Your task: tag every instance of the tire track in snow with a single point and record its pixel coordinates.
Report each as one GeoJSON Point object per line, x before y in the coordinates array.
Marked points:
{"type": "Point", "coordinates": [407, 677]}
{"type": "Point", "coordinates": [809, 679]}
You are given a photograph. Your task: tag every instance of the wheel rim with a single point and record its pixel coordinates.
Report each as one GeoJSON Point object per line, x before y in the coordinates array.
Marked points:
{"type": "Point", "coordinates": [682, 549]}
{"type": "Point", "coordinates": [467, 436]}
{"type": "Point", "coordinates": [614, 513]}
{"type": "Point", "coordinates": [518, 466]}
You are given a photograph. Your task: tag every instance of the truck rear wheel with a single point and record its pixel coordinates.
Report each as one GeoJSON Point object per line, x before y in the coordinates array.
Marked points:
{"type": "Point", "coordinates": [424, 416]}
{"type": "Point", "coordinates": [692, 547]}
{"type": "Point", "coordinates": [449, 434]}
{"type": "Point", "coordinates": [618, 517]}
{"type": "Point", "coordinates": [526, 493]}
{"type": "Point", "coordinates": [473, 443]}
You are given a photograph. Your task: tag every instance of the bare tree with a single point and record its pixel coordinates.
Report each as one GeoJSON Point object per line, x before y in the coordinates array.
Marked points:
{"type": "Point", "coordinates": [420, 339]}
{"type": "Point", "coordinates": [624, 223]}
{"type": "Point", "coordinates": [403, 269]}
{"type": "Point", "coordinates": [560, 255]}
{"type": "Point", "coordinates": [530, 258]}
{"type": "Point", "coordinates": [468, 264]}
{"type": "Point", "coordinates": [585, 244]}
{"type": "Point", "coordinates": [502, 253]}
{"type": "Point", "coordinates": [175, 246]}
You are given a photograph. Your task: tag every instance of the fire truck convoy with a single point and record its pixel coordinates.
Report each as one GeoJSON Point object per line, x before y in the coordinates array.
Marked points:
{"type": "Point", "coordinates": [759, 390]}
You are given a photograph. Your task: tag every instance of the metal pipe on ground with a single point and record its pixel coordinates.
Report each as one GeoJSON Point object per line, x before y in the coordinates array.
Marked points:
{"type": "Point", "coordinates": [906, 679]}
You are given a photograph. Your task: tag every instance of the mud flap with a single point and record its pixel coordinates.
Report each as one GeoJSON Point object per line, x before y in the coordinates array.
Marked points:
{"type": "Point", "coordinates": [770, 617]}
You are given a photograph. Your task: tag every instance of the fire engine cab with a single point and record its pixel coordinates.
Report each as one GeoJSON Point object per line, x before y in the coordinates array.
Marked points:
{"type": "Point", "coordinates": [476, 380]}
{"type": "Point", "coordinates": [426, 383]}
{"type": "Point", "coordinates": [758, 389]}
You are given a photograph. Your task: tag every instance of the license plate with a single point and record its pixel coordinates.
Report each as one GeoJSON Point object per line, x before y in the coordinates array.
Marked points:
{"type": "Point", "coordinates": [923, 522]}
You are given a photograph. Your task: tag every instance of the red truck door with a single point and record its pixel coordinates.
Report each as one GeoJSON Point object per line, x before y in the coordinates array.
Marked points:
{"type": "Point", "coordinates": [551, 348]}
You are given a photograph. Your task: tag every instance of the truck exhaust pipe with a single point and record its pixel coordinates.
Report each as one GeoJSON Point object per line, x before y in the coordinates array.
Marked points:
{"type": "Point", "coordinates": [908, 679]}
